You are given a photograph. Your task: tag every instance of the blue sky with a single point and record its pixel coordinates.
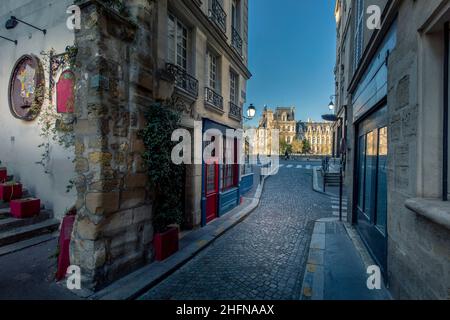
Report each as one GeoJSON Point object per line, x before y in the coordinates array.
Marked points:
{"type": "Point", "coordinates": [292, 55]}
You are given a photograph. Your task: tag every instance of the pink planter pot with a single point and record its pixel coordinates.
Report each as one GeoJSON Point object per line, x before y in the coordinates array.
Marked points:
{"type": "Point", "coordinates": [25, 208]}
{"type": "Point", "coordinates": [10, 192]}
{"type": "Point", "coordinates": [165, 244]}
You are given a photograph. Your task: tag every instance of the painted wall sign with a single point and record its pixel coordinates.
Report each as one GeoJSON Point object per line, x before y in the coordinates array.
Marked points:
{"type": "Point", "coordinates": [65, 96]}
{"type": "Point", "coordinates": [26, 88]}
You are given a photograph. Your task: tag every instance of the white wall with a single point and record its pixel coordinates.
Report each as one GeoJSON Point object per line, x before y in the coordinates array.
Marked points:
{"type": "Point", "coordinates": [19, 140]}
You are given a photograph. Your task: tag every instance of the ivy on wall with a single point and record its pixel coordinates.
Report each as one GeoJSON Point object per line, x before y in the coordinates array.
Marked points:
{"type": "Point", "coordinates": [166, 178]}
{"type": "Point", "coordinates": [55, 128]}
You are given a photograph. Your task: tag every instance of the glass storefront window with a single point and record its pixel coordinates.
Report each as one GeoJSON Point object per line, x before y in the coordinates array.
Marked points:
{"type": "Point", "coordinates": [371, 169]}
{"type": "Point", "coordinates": [382, 181]}
{"type": "Point", "coordinates": [361, 170]}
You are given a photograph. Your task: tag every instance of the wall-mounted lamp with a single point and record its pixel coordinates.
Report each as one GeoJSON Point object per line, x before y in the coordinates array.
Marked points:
{"type": "Point", "coordinates": [13, 22]}
{"type": "Point", "coordinates": [10, 40]}
{"type": "Point", "coordinates": [331, 106]}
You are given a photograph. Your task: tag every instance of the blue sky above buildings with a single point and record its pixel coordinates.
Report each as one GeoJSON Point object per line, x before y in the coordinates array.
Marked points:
{"type": "Point", "coordinates": [292, 55]}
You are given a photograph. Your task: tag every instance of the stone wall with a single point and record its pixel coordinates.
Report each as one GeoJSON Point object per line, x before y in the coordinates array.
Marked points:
{"type": "Point", "coordinates": [418, 249]}
{"type": "Point", "coordinates": [113, 232]}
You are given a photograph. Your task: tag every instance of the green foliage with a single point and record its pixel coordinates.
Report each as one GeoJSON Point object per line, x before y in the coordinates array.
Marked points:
{"type": "Point", "coordinates": [297, 146]}
{"type": "Point", "coordinates": [284, 146]}
{"type": "Point", "coordinates": [306, 147]}
{"type": "Point", "coordinates": [165, 177]}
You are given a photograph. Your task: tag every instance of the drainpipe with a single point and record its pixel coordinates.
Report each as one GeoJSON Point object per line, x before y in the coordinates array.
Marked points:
{"type": "Point", "coordinates": [446, 97]}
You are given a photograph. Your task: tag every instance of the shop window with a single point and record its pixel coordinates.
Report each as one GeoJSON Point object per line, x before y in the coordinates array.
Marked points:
{"type": "Point", "coordinates": [230, 166]}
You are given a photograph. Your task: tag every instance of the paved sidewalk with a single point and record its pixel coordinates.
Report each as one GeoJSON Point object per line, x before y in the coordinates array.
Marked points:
{"type": "Point", "coordinates": [337, 265]}
{"type": "Point", "coordinates": [29, 274]}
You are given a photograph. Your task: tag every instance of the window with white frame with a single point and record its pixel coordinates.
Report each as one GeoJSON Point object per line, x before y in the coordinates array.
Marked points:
{"type": "Point", "coordinates": [213, 74]}
{"type": "Point", "coordinates": [177, 42]}
{"type": "Point", "coordinates": [359, 33]}
{"type": "Point", "coordinates": [234, 87]}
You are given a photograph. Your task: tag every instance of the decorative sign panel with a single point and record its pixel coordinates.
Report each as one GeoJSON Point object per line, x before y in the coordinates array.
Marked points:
{"type": "Point", "coordinates": [26, 88]}
{"type": "Point", "coordinates": [65, 97]}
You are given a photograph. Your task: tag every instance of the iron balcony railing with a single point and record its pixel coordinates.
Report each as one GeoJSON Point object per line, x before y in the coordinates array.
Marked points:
{"type": "Point", "coordinates": [236, 41]}
{"type": "Point", "coordinates": [213, 99]}
{"type": "Point", "coordinates": [218, 15]}
{"type": "Point", "coordinates": [183, 80]}
{"type": "Point", "coordinates": [235, 111]}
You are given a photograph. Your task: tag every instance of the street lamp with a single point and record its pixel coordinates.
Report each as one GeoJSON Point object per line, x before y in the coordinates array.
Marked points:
{"type": "Point", "coordinates": [251, 112]}
{"type": "Point", "coordinates": [331, 106]}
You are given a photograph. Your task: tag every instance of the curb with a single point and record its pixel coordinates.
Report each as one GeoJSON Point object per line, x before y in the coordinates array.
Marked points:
{"type": "Point", "coordinates": [315, 186]}
{"type": "Point", "coordinates": [139, 282]}
{"type": "Point", "coordinates": [314, 278]}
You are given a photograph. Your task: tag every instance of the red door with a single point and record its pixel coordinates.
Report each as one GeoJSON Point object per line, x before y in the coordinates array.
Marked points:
{"type": "Point", "coordinates": [212, 189]}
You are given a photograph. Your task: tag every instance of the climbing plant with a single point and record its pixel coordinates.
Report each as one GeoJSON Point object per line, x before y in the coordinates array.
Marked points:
{"type": "Point", "coordinates": [165, 177]}
{"type": "Point", "coordinates": [55, 128]}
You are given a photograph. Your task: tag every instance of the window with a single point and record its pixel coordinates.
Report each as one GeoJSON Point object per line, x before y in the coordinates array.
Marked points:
{"type": "Point", "coordinates": [234, 87]}
{"type": "Point", "coordinates": [177, 42]}
{"type": "Point", "coordinates": [230, 169]}
{"type": "Point", "coordinates": [213, 63]}
{"type": "Point", "coordinates": [359, 33]}
{"type": "Point", "coordinates": [382, 180]}
{"type": "Point", "coordinates": [235, 14]}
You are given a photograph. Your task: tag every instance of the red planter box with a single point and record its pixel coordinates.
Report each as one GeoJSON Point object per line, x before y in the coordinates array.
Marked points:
{"type": "Point", "coordinates": [64, 244]}
{"type": "Point", "coordinates": [166, 244]}
{"type": "Point", "coordinates": [10, 192]}
{"type": "Point", "coordinates": [3, 175]}
{"type": "Point", "coordinates": [25, 208]}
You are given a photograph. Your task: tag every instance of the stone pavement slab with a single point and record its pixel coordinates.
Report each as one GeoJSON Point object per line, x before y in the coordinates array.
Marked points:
{"type": "Point", "coordinates": [337, 270]}
{"type": "Point", "coordinates": [29, 274]}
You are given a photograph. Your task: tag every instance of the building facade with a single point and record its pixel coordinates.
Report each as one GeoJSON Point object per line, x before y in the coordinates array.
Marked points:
{"type": "Point", "coordinates": [128, 55]}
{"type": "Point", "coordinates": [392, 132]}
{"type": "Point", "coordinates": [318, 135]}
{"type": "Point", "coordinates": [274, 126]}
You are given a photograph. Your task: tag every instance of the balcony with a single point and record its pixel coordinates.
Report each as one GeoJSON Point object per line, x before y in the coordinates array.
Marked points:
{"type": "Point", "coordinates": [213, 100]}
{"type": "Point", "coordinates": [235, 112]}
{"type": "Point", "coordinates": [183, 81]}
{"type": "Point", "coordinates": [236, 41]}
{"type": "Point", "coordinates": [218, 16]}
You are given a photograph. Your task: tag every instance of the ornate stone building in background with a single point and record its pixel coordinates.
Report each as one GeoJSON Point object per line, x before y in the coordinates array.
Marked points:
{"type": "Point", "coordinates": [283, 120]}
{"type": "Point", "coordinates": [318, 134]}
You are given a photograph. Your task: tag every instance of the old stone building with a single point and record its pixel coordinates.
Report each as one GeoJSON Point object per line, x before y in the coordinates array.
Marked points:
{"type": "Point", "coordinates": [392, 120]}
{"type": "Point", "coordinates": [279, 125]}
{"type": "Point", "coordinates": [318, 134]}
{"type": "Point", "coordinates": [129, 54]}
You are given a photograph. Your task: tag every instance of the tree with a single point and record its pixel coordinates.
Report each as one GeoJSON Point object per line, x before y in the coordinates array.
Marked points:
{"type": "Point", "coordinates": [284, 146]}
{"type": "Point", "coordinates": [306, 146]}
{"type": "Point", "coordinates": [297, 146]}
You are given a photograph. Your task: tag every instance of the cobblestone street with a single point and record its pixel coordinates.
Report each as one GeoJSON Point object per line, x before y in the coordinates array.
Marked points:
{"type": "Point", "coordinates": [263, 257]}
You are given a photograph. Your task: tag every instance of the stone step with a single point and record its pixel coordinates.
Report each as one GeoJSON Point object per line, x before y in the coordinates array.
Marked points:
{"type": "Point", "coordinates": [11, 248]}
{"type": "Point", "coordinates": [27, 232]}
{"type": "Point", "coordinates": [9, 223]}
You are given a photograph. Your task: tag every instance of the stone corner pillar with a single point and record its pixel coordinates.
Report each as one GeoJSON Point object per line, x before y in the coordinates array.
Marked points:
{"type": "Point", "coordinates": [113, 232]}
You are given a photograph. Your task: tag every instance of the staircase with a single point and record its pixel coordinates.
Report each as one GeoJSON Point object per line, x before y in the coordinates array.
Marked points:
{"type": "Point", "coordinates": [20, 233]}
{"type": "Point", "coordinates": [331, 179]}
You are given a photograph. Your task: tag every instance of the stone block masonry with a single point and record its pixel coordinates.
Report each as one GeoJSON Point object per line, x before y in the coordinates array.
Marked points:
{"type": "Point", "coordinates": [113, 232]}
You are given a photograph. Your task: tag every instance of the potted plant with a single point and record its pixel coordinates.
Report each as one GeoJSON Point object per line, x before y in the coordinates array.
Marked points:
{"type": "Point", "coordinates": [10, 191]}
{"type": "Point", "coordinates": [165, 177]}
